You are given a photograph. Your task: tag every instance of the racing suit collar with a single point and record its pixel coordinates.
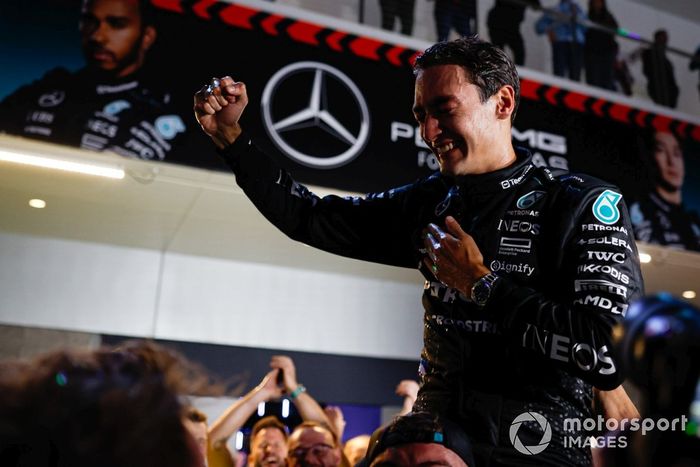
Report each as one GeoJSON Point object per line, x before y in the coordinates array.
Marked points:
{"type": "Point", "coordinates": [102, 83]}
{"type": "Point", "coordinates": [499, 180]}
{"type": "Point", "coordinates": [665, 205]}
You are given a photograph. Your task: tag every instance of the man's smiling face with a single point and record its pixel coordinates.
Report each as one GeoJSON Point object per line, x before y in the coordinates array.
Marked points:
{"type": "Point", "coordinates": [453, 120]}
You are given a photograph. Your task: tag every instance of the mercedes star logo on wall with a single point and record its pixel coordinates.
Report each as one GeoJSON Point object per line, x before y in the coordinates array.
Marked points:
{"type": "Point", "coordinates": [315, 114]}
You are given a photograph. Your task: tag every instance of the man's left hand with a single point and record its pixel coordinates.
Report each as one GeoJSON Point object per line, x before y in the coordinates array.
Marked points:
{"type": "Point", "coordinates": [453, 256]}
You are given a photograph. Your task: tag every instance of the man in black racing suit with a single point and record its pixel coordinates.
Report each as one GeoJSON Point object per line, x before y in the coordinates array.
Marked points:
{"type": "Point", "coordinates": [82, 109]}
{"type": "Point", "coordinates": [526, 271]}
{"type": "Point", "coordinates": [108, 105]}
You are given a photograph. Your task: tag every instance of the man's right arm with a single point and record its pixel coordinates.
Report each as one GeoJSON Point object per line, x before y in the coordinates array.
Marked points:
{"type": "Point", "coordinates": [371, 228]}
{"type": "Point", "coordinates": [236, 415]}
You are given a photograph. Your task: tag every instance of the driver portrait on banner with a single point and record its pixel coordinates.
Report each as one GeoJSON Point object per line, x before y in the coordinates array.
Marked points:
{"type": "Point", "coordinates": [660, 216]}
{"type": "Point", "coordinates": [112, 103]}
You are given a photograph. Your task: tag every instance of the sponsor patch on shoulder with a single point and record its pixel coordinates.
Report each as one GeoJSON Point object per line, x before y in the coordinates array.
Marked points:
{"type": "Point", "coordinates": [605, 207]}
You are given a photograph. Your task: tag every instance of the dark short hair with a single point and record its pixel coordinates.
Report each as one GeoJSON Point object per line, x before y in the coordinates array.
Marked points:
{"type": "Point", "coordinates": [487, 66]}
{"type": "Point", "coordinates": [419, 427]}
{"type": "Point", "coordinates": [146, 9]}
{"type": "Point", "coordinates": [268, 422]}
{"type": "Point", "coordinates": [147, 12]}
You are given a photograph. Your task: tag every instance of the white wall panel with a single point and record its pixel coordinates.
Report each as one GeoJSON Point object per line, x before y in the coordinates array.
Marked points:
{"type": "Point", "coordinates": [81, 286]}
{"type": "Point", "coordinates": [260, 305]}
{"type": "Point", "coordinates": [62, 284]}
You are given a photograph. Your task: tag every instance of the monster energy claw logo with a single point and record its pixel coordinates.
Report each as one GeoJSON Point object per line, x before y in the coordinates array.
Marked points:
{"type": "Point", "coordinates": [544, 425]}
{"type": "Point", "coordinates": [605, 207]}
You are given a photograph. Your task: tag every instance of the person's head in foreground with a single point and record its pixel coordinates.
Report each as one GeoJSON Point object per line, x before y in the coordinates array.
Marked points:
{"type": "Point", "coordinates": [355, 448]}
{"type": "Point", "coordinates": [419, 438]}
{"type": "Point", "coordinates": [312, 444]}
{"type": "Point", "coordinates": [268, 443]}
{"type": "Point", "coordinates": [94, 408]}
{"type": "Point", "coordinates": [196, 423]}
{"type": "Point", "coordinates": [466, 95]}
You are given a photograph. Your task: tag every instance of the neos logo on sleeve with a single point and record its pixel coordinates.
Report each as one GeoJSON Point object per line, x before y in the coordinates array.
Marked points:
{"type": "Point", "coordinates": [605, 207]}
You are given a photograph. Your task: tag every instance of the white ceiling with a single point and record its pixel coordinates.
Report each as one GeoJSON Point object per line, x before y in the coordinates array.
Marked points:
{"type": "Point", "coordinates": [157, 206]}
{"type": "Point", "coordinates": [203, 213]}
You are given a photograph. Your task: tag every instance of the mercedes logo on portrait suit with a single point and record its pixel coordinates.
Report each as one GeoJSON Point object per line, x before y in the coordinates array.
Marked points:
{"type": "Point", "coordinates": [307, 101]}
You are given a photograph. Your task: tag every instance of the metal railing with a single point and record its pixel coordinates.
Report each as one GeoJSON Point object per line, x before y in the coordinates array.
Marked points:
{"type": "Point", "coordinates": [630, 57]}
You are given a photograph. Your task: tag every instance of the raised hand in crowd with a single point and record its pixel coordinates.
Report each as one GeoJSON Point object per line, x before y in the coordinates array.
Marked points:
{"type": "Point", "coordinates": [336, 419]}
{"type": "Point", "coordinates": [408, 389]}
{"type": "Point", "coordinates": [236, 415]}
{"type": "Point", "coordinates": [268, 389]}
{"type": "Point", "coordinates": [307, 406]}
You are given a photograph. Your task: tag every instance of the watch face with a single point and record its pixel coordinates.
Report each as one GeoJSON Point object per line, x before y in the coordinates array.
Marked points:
{"type": "Point", "coordinates": [481, 292]}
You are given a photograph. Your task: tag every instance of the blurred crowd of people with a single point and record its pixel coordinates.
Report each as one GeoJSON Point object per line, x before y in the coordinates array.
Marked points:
{"type": "Point", "coordinates": [128, 406]}
{"type": "Point", "coordinates": [583, 42]}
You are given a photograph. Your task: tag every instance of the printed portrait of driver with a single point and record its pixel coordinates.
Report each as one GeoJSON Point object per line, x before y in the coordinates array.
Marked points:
{"type": "Point", "coordinates": [115, 102]}
{"type": "Point", "coordinates": [526, 270]}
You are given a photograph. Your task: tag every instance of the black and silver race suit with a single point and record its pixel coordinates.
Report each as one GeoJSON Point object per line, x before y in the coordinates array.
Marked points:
{"type": "Point", "coordinates": [124, 115]}
{"type": "Point", "coordinates": [563, 248]}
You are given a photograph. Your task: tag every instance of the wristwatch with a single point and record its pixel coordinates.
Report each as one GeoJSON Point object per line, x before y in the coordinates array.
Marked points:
{"type": "Point", "coordinates": [481, 290]}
